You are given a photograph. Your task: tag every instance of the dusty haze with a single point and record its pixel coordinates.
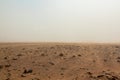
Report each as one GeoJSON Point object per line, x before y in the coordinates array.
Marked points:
{"type": "Point", "coordinates": [60, 20]}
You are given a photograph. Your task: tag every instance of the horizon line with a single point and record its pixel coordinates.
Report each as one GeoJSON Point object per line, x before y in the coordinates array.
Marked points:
{"type": "Point", "coordinates": [73, 42]}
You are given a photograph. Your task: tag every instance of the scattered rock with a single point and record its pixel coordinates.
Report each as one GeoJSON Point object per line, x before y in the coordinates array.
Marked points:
{"type": "Point", "coordinates": [51, 47]}
{"type": "Point", "coordinates": [55, 52]}
{"type": "Point", "coordinates": [107, 76]}
{"type": "Point", "coordinates": [73, 56]}
{"type": "Point", "coordinates": [63, 68]}
{"type": "Point", "coordinates": [100, 76]}
{"type": "Point", "coordinates": [33, 62]}
{"type": "Point", "coordinates": [14, 59]}
{"type": "Point", "coordinates": [7, 65]}
{"type": "Point", "coordinates": [79, 55]}
{"type": "Point", "coordinates": [118, 59]}
{"type": "Point", "coordinates": [5, 57]}
{"type": "Point", "coordinates": [19, 55]}
{"type": "Point", "coordinates": [23, 75]}
{"type": "Point", "coordinates": [94, 61]}
{"type": "Point", "coordinates": [26, 71]}
{"type": "Point", "coordinates": [61, 74]}
{"type": "Point", "coordinates": [36, 79]}
{"type": "Point", "coordinates": [117, 46]}
{"type": "Point", "coordinates": [89, 73]}
{"type": "Point", "coordinates": [62, 62]}
{"type": "Point", "coordinates": [23, 48]}
{"type": "Point", "coordinates": [105, 60]}
{"type": "Point", "coordinates": [51, 63]}
{"type": "Point", "coordinates": [61, 54]}
{"type": "Point", "coordinates": [42, 54]}
{"type": "Point", "coordinates": [1, 66]}
{"type": "Point", "coordinates": [38, 48]}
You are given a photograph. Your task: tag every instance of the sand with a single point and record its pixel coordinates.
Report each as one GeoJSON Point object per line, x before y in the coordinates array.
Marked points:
{"type": "Point", "coordinates": [59, 61]}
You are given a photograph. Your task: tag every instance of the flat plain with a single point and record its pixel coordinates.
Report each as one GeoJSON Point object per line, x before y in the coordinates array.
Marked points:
{"type": "Point", "coordinates": [59, 61]}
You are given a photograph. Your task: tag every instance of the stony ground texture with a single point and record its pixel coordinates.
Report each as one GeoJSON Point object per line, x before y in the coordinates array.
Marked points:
{"type": "Point", "coordinates": [59, 61]}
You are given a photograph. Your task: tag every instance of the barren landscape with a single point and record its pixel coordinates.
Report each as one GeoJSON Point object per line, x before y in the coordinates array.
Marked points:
{"type": "Point", "coordinates": [59, 61]}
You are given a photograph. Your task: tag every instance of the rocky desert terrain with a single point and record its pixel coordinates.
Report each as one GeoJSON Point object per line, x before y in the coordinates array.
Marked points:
{"type": "Point", "coordinates": [59, 61]}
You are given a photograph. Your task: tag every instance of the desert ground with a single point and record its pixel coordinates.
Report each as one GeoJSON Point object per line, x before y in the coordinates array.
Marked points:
{"type": "Point", "coordinates": [59, 61]}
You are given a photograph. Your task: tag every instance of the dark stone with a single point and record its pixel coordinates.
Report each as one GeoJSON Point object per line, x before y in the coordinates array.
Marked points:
{"type": "Point", "coordinates": [23, 75]}
{"type": "Point", "coordinates": [8, 79]}
{"type": "Point", "coordinates": [118, 57]}
{"type": "Point", "coordinates": [61, 74]}
{"type": "Point", "coordinates": [89, 73]}
{"type": "Point", "coordinates": [73, 56]}
{"type": "Point", "coordinates": [19, 55]}
{"type": "Point", "coordinates": [100, 76]}
{"type": "Point", "coordinates": [14, 59]}
{"type": "Point", "coordinates": [51, 63]}
{"type": "Point", "coordinates": [1, 66]}
{"type": "Point", "coordinates": [23, 48]}
{"type": "Point", "coordinates": [79, 55]}
{"type": "Point", "coordinates": [28, 71]}
{"type": "Point", "coordinates": [7, 65]}
{"type": "Point", "coordinates": [117, 46]}
{"type": "Point", "coordinates": [42, 54]}
{"type": "Point", "coordinates": [5, 57]}
{"type": "Point", "coordinates": [51, 47]}
{"type": "Point", "coordinates": [63, 68]}
{"type": "Point", "coordinates": [61, 54]}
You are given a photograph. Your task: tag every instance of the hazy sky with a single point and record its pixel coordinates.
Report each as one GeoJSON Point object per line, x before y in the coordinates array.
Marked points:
{"type": "Point", "coordinates": [60, 20]}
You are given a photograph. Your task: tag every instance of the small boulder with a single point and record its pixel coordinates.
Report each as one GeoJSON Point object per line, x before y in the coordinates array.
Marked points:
{"type": "Point", "coordinates": [26, 71]}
